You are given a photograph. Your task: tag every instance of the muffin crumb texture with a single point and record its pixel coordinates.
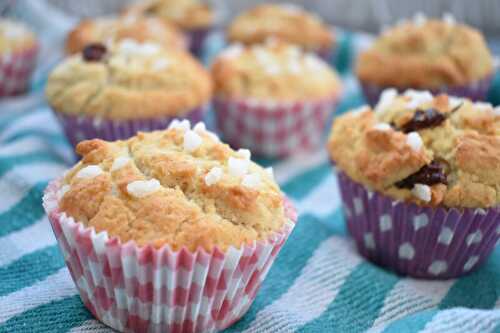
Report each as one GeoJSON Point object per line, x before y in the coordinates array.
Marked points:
{"type": "Point", "coordinates": [438, 151]}
{"type": "Point", "coordinates": [186, 14]}
{"type": "Point", "coordinates": [426, 53]}
{"type": "Point", "coordinates": [287, 22]}
{"type": "Point", "coordinates": [164, 188]}
{"type": "Point", "coordinates": [274, 71]}
{"type": "Point", "coordinates": [128, 80]}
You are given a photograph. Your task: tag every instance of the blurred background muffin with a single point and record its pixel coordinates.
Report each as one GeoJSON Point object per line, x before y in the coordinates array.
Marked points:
{"type": "Point", "coordinates": [273, 98]}
{"type": "Point", "coordinates": [287, 22]}
{"type": "Point", "coordinates": [107, 30]}
{"type": "Point", "coordinates": [437, 55]}
{"type": "Point", "coordinates": [195, 17]}
{"type": "Point", "coordinates": [113, 92]}
{"type": "Point", "coordinates": [18, 53]}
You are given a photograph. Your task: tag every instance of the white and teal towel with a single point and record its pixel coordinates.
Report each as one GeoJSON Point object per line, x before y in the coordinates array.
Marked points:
{"type": "Point", "coordinates": [318, 283]}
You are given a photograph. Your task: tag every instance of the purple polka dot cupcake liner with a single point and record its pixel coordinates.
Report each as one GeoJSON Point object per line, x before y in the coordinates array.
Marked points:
{"type": "Point", "coordinates": [422, 242]}
{"type": "Point", "coordinates": [476, 91]}
{"type": "Point", "coordinates": [78, 127]}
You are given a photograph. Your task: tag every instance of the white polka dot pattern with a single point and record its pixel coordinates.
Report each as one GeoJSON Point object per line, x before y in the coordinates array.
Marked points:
{"type": "Point", "coordinates": [445, 236]}
{"type": "Point", "coordinates": [438, 267]}
{"type": "Point", "coordinates": [369, 241]}
{"type": "Point", "coordinates": [385, 223]}
{"type": "Point", "coordinates": [358, 206]}
{"type": "Point", "coordinates": [474, 238]}
{"type": "Point", "coordinates": [420, 221]}
{"type": "Point", "coordinates": [406, 251]}
{"type": "Point", "coordinates": [470, 263]}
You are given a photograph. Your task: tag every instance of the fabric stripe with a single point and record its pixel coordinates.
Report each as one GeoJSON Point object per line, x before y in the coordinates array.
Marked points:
{"type": "Point", "coordinates": [17, 182]}
{"type": "Point", "coordinates": [31, 122]}
{"type": "Point", "coordinates": [303, 184]}
{"type": "Point", "coordinates": [476, 290]}
{"type": "Point", "coordinates": [315, 288]}
{"type": "Point", "coordinates": [322, 199]}
{"type": "Point", "coordinates": [358, 303]}
{"type": "Point", "coordinates": [40, 293]}
{"type": "Point", "coordinates": [53, 138]}
{"type": "Point", "coordinates": [410, 296]}
{"type": "Point", "coordinates": [7, 163]}
{"type": "Point", "coordinates": [23, 146]}
{"type": "Point", "coordinates": [30, 269]}
{"type": "Point", "coordinates": [17, 244]}
{"type": "Point", "coordinates": [56, 316]}
{"type": "Point", "coordinates": [463, 320]}
{"type": "Point", "coordinates": [412, 323]}
{"type": "Point", "coordinates": [287, 267]}
{"type": "Point", "coordinates": [25, 212]}
{"type": "Point", "coordinates": [296, 165]}
{"type": "Point", "coordinates": [93, 326]}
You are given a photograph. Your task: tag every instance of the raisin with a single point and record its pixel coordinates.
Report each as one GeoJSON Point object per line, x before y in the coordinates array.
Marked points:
{"type": "Point", "coordinates": [429, 175]}
{"type": "Point", "coordinates": [94, 52]}
{"type": "Point", "coordinates": [423, 119]}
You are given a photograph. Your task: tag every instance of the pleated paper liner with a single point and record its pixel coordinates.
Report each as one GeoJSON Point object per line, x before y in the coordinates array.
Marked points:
{"type": "Point", "coordinates": [81, 127]}
{"type": "Point", "coordinates": [475, 91]}
{"type": "Point", "coordinates": [15, 71]}
{"type": "Point", "coordinates": [422, 242]}
{"type": "Point", "coordinates": [273, 129]}
{"type": "Point", "coordinates": [144, 289]}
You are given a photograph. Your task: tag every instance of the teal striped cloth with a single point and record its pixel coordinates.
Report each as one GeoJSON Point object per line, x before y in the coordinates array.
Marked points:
{"type": "Point", "coordinates": [318, 283]}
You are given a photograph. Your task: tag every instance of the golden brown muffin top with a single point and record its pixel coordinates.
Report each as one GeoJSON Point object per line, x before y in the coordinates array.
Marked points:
{"type": "Point", "coordinates": [273, 71]}
{"type": "Point", "coordinates": [426, 54]}
{"type": "Point", "coordinates": [438, 151]}
{"type": "Point", "coordinates": [180, 187]}
{"type": "Point", "coordinates": [186, 14]}
{"type": "Point", "coordinates": [287, 22]}
{"type": "Point", "coordinates": [15, 36]}
{"type": "Point", "coordinates": [128, 81]}
{"type": "Point", "coordinates": [108, 30]}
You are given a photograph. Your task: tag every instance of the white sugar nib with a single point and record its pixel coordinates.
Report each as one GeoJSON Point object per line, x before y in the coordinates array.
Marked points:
{"type": "Point", "coordinates": [422, 192]}
{"type": "Point", "coordinates": [62, 191]}
{"type": "Point", "coordinates": [213, 176]}
{"type": "Point", "coordinates": [89, 172]}
{"type": "Point", "coordinates": [245, 153]}
{"type": "Point", "coordinates": [238, 167]}
{"type": "Point", "coordinates": [417, 98]}
{"type": "Point", "coordinates": [382, 127]}
{"type": "Point", "coordinates": [270, 172]}
{"type": "Point", "coordinates": [143, 188]}
{"type": "Point", "coordinates": [386, 99]}
{"type": "Point", "coordinates": [119, 163]}
{"type": "Point", "coordinates": [181, 125]}
{"type": "Point", "coordinates": [251, 180]}
{"type": "Point", "coordinates": [414, 140]}
{"type": "Point", "coordinates": [200, 127]}
{"type": "Point", "coordinates": [191, 141]}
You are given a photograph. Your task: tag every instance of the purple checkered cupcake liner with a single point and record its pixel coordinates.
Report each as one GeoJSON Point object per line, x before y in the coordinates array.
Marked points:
{"type": "Point", "coordinates": [78, 127]}
{"type": "Point", "coordinates": [422, 242]}
{"type": "Point", "coordinates": [476, 91]}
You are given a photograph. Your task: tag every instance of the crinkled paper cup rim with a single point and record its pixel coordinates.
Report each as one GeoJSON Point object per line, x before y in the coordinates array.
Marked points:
{"type": "Point", "coordinates": [82, 127]}
{"type": "Point", "coordinates": [136, 289]}
{"type": "Point", "coordinates": [476, 91]}
{"type": "Point", "coordinates": [422, 242]}
{"type": "Point", "coordinates": [271, 128]}
{"type": "Point", "coordinates": [16, 69]}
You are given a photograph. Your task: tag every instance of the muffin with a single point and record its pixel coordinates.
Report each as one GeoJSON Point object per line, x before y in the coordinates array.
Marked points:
{"type": "Point", "coordinates": [287, 22]}
{"type": "Point", "coordinates": [174, 221]}
{"type": "Point", "coordinates": [106, 30]}
{"type": "Point", "coordinates": [195, 17]}
{"type": "Point", "coordinates": [113, 92]}
{"type": "Point", "coordinates": [18, 51]}
{"type": "Point", "coordinates": [441, 56]}
{"type": "Point", "coordinates": [273, 98]}
{"type": "Point", "coordinates": [419, 177]}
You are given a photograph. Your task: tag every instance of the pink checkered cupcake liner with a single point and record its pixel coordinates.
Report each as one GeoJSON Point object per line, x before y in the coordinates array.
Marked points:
{"type": "Point", "coordinates": [144, 289]}
{"type": "Point", "coordinates": [15, 71]}
{"type": "Point", "coordinates": [79, 127]}
{"type": "Point", "coordinates": [273, 129]}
